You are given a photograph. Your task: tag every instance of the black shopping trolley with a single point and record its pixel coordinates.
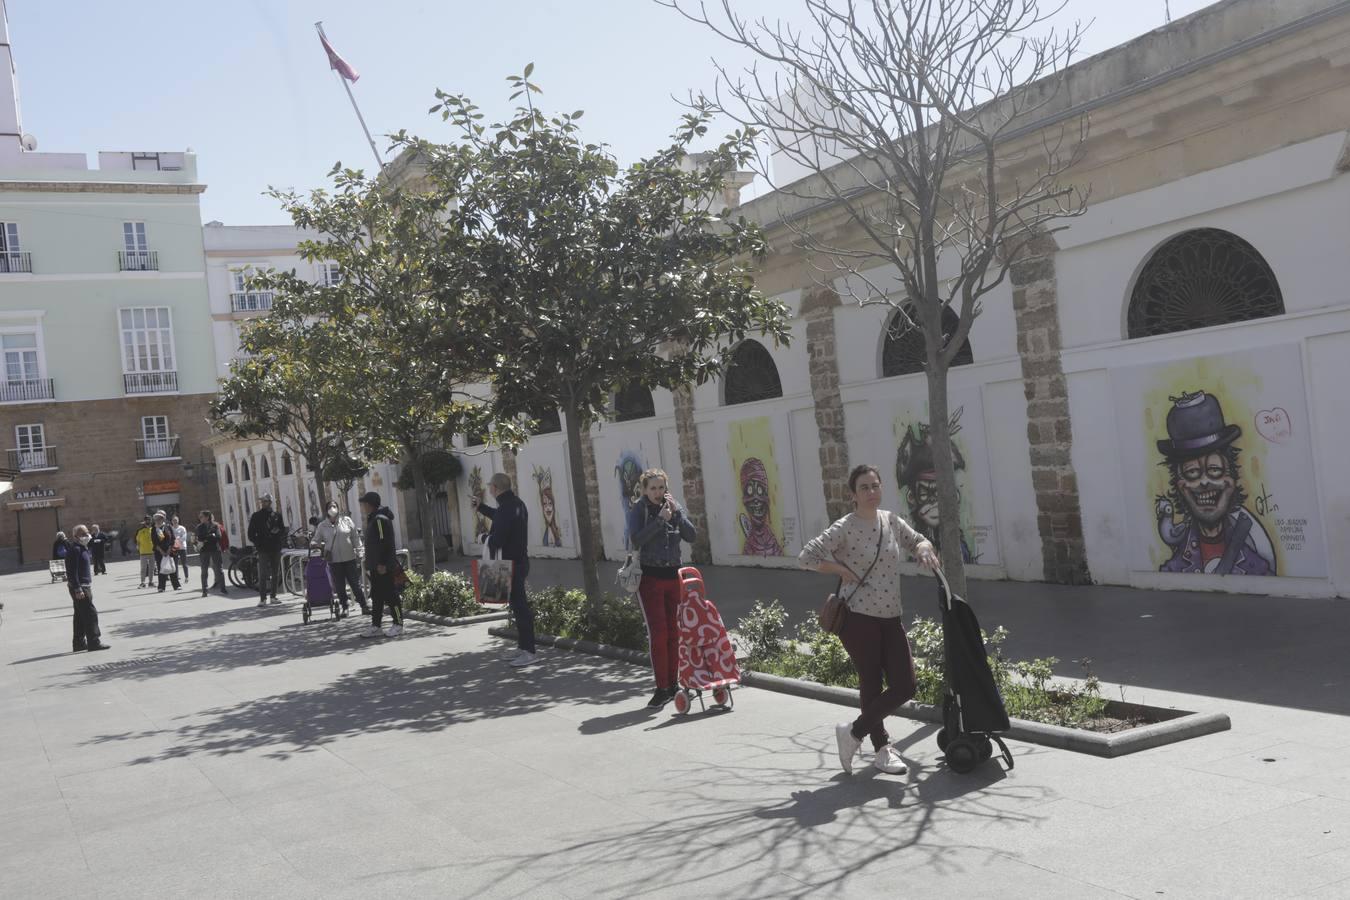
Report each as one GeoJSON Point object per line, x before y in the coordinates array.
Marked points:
{"type": "Point", "coordinates": [973, 714]}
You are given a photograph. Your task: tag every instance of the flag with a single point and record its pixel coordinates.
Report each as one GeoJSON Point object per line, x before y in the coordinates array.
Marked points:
{"type": "Point", "coordinates": [343, 67]}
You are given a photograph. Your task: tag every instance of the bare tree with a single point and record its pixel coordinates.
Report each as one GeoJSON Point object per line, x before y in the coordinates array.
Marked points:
{"type": "Point", "coordinates": [923, 133]}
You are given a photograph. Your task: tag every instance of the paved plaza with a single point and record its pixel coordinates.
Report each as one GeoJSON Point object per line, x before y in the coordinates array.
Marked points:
{"type": "Point", "coordinates": [220, 750]}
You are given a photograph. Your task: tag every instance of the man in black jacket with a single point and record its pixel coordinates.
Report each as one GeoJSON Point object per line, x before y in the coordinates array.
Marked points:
{"type": "Point", "coordinates": [382, 565]}
{"type": "Point", "coordinates": [98, 546]}
{"type": "Point", "coordinates": [163, 537]}
{"type": "Point", "coordinates": [79, 581]}
{"type": "Point", "coordinates": [510, 537]}
{"type": "Point", "coordinates": [267, 534]}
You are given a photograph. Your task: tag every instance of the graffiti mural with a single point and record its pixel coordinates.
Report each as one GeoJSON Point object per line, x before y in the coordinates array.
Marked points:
{"type": "Point", "coordinates": [752, 457]}
{"type": "Point", "coordinates": [1220, 465]}
{"type": "Point", "coordinates": [916, 477]}
{"type": "Point", "coordinates": [628, 471]}
{"type": "Point", "coordinates": [548, 507]}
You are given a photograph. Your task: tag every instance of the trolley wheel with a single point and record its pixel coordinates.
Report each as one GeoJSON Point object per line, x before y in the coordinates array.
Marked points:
{"type": "Point", "coordinates": [942, 739]}
{"type": "Point", "coordinates": [682, 703]}
{"type": "Point", "coordinates": [963, 755]}
{"type": "Point", "coordinates": [305, 613]}
{"type": "Point", "coordinates": [986, 747]}
{"type": "Point", "coordinates": [722, 696]}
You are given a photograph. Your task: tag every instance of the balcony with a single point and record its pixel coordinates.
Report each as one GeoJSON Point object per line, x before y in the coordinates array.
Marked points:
{"type": "Point", "coordinates": [33, 460]}
{"type": "Point", "coordinates": [16, 261]}
{"type": "Point", "coordinates": [152, 449]}
{"type": "Point", "coordinates": [251, 301]}
{"type": "Point", "coordinates": [27, 391]}
{"type": "Point", "coordinates": [150, 382]}
{"type": "Point", "coordinates": [138, 260]}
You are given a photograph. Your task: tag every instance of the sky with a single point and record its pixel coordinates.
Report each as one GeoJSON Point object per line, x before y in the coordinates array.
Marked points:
{"type": "Point", "coordinates": [246, 85]}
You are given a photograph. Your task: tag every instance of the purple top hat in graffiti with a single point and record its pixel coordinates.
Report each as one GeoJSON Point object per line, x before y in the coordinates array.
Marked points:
{"type": "Point", "coordinates": [1195, 425]}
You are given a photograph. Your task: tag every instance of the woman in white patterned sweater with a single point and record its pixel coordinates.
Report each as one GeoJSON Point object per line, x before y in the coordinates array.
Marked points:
{"type": "Point", "coordinates": [865, 549]}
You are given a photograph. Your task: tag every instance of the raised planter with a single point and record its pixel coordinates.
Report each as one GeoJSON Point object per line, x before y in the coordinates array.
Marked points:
{"type": "Point", "coordinates": [447, 620]}
{"type": "Point", "coordinates": [1167, 726]}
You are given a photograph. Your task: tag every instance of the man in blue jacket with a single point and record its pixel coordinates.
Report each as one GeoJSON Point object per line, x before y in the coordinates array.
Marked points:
{"type": "Point", "coordinates": [510, 537]}
{"type": "Point", "coordinates": [79, 581]}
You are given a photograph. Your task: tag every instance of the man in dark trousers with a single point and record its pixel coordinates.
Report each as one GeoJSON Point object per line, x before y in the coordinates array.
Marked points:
{"type": "Point", "coordinates": [510, 537]}
{"type": "Point", "coordinates": [381, 564]}
{"type": "Point", "coordinates": [267, 533]}
{"type": "Point", "coordinates": [163, 537]}
{"type": "Point", "coordinates": [79, 581]}
{"type": "Point", "coordinates": [98, 546]}
{"type": "Point", "coordinates": [208, 554]}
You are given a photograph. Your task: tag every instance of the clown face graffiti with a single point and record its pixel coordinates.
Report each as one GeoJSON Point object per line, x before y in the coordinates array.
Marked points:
{"type": "Point", "coordinates": [548, 506]}
{"type": "Point", "coordinates": [760, 539]}
{"type": "Point", "coordinates": [1216, 533]}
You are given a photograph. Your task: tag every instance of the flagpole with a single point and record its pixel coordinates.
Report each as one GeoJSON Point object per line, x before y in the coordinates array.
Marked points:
{"type": "Point", "coordinates": [352, 97]}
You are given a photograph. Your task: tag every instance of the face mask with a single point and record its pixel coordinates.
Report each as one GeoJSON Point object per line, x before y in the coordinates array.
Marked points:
{"type": "Point", "coordinates": [84, 539]}
{"type": "Point", "coordinates": [332, 514]}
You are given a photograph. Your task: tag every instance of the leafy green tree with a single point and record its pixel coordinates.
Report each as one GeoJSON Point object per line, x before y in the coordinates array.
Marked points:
{"type": "Point", "coordinates": [596, 276]}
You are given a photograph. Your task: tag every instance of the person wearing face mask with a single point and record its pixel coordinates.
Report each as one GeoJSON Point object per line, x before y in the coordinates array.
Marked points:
{"type": "Point", "coordinates": [208, 554]}
{"type": "Point", "coordinates": [339, 539]}
{"type": "Point", "coordinates": [79, 581]}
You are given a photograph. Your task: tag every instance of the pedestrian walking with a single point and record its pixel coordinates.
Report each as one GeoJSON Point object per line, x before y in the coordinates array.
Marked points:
{"type": "Point", "coordinates": [656, 525]}
{"type": "Point", "coordinates": [80, 582]}
{"type": "Point", "coordinates": [60, 546]}
{"type": "Point", "coordinates": [865, 549]}
{"type": "Point", "coordinates": [267, 533]}
{"type": "Point", "coordinates": [165, 565]}
{"type": "Point", "coordinates": [510, 537]}
{"type": "Point", "coordinates": [180, 548]}
{"type": "Point", "coordinates": [98, 546]}
{"type": "Point", "coordinates": [382, 565]}
{"type": "Point", "coordinates": [338, 538]}
{"type": "Point", "coordinates": [145, 546]}
{"type": "Point", "coordinates": [208, 551]}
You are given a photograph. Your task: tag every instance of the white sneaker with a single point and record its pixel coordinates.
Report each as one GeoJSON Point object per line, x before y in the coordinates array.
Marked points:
{"type": "Point", "coordinates": [888, 761]}
{"type": "Point", "coordinates": [372, 632]}
{"type": "Point", "coordinates": [394, 631]}
{"type": "Point", "coordinates": [848, 745]}
{"type": "Point", "coordinates": [525, 658]}
{"type": "Point", "coordinates": [276, 602]}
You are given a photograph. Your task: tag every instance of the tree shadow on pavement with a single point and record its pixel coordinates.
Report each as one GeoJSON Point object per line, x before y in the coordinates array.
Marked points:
{"type": "Point", "coordinates": [449, 690]}
{"type": "Point", "coordinates": [717, 827]}
{"type": "Point", "coordinates": [205, 621]}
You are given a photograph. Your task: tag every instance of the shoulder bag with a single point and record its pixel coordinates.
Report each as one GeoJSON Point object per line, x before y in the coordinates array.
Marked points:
{"type": "Point", "coordinates": [630, 573]}
{"type": "Point", "coordinates": [834, 613]}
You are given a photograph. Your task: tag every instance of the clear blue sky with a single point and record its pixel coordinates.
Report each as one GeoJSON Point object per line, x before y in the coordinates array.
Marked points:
{"type": "Point", "coordinates": [246, 85]}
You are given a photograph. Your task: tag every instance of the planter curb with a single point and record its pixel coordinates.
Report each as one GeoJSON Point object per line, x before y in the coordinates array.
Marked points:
{"type": "Point", "coordinates": [1182, 725]}
{"type": "Point", "coordinates": [447, 620]}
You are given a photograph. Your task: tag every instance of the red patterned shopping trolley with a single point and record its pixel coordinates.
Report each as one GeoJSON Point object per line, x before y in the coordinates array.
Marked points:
{"type": "Point", "coordinates": [707, 660]}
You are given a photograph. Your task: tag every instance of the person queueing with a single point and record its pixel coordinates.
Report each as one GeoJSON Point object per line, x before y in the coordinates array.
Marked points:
{"type": "Point", "coordinates": [381, 564]}
{"type": "Point", "coordinates": [164, 561]}
{"type": "Point", "coordinates": [180, 547]}
{"type": "Point", "coordinates": [338, 538]}
{"type": "Point", "coordinates": [267, 533]}
{"type": "Point", "coordinates": [510, 537]}
{"type": "Point", "coordinates": [208, 551]}
{"type": "Point", "coordinates": [865, 549]}
{"type": "Point", "coordinates": [656, 525]}
{"type": "Point", "coordinates": [145, 546]}
{"type": "Point", "coordinates": [79, 581]}
{"type": "Point", "coordinates": [98, 545]}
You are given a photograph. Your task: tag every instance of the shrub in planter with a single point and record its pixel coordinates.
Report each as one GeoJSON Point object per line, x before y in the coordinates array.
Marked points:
{"type": "Point", "coordinates": [761, 632]}
{"type": "Point", "coordinates": [564, 612]}
{"type": "Point", "coordinates": [442, 594]}
{"type": "Point", "coordinates": [557, 610]}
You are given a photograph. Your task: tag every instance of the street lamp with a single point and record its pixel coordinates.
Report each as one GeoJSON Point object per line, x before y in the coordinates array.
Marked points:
{"type": "Point", "coordinates": [200, 471]}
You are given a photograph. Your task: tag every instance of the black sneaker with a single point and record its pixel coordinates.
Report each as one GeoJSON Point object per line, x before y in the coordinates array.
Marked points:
{"type": "Point", "coordinates": [660, 698]}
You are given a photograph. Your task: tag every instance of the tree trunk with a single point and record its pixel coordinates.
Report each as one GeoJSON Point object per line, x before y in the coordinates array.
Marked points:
{"type": "Point", "coordinates": [424, 520]}
{"type": "Point", "coordinates": [949, 497]}
{"type": "Point", "coordinates": [585, 534]}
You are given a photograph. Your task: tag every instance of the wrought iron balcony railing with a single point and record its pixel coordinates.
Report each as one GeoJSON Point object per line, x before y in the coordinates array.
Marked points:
{"type": "Point", "coordinates": [138, 260]}
{"type": "Point", "coordinates": [150, 382]}
{"type": "Point", "coordinates": [157, 448]}
{"type": "Point", "coordinates": [33, 460]}
{"type": "Point", "coordinates": [27, 391]}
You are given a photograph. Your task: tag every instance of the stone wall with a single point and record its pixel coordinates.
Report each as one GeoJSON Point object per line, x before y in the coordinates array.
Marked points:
{"type": "Point", "coordinates": [818, 310]}
{"type": "Point", "coordinates": [1059, 516]}
{"type": "Point", "coordinates": [691, 474]}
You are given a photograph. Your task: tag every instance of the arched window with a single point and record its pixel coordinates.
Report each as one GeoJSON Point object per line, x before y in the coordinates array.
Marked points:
{"type": "Point", "coordinates": [229, 474]}
{"type": "Point", "coordinates": [751, 375]}
{"type": "Point", "coordinates": [287, 466]}
{"type": "Point", "coordinates": [266, 469]}
{"type": "Point", "coordinates": [903, 352]}
{"type": "Point", "coordinates": [1199, 279]}
{"type": "Point", "coordinates": [633, 402]}
{"type": "Point", "coordinates": [243, 470]}
{"type": "Point", "coordinates": [547, 422]}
